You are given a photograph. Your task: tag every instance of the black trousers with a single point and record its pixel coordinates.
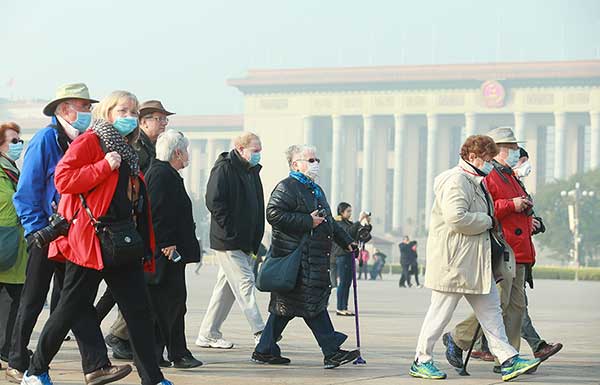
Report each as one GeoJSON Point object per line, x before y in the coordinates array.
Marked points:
{"type": "Point", "coordinates": [76, 304]}
{"type": "Point", "coordinates": [9, 306]}
{"type": "Point", "coordinates": [105, 304]}
{"type": "Point", "coordinates": [169, 304]}
{"type": "Point", "coordinates": [33, 296]}
{"type": "Point", "coordinates": [405, 277]}
{"type": "Point", "coordinates": [414, 270]}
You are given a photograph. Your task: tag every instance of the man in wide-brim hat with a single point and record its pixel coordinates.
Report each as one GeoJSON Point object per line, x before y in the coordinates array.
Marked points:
{"type": "Point", "coordinates": [153, 122]}
{"type": "Point", "coordinates": [34, 200]}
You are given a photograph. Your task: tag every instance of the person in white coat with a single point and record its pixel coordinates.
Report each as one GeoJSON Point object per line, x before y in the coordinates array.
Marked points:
{"type": "Point", "coordinates": [459, 260]}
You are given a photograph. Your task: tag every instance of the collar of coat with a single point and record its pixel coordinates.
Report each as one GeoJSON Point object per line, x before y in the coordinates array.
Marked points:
{"type": "Point", "coordinates": [469, 171]}
{"type": "Point", "coordinates": [241, 164]}
{"type": "Point", "coordinates": [166, 165]}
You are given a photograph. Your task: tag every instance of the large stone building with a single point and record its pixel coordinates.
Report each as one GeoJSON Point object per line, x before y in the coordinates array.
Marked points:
{"type": "Point", "coordinates": [384, 133]}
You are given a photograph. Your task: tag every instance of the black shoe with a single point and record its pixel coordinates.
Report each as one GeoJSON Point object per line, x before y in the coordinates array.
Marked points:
{"type": "Point", "coordinates": [453, 352]}
{"type": "Point", "coordinates": [497, 369]}
{"type": "Point", "coordinates": [187, 362]}
{"type": "Point", "coordinates": [260, 358]}
{"type": "Point", "coordinates": [121, 348]}
{"type": "Point", "coordinates": [164, 363]}
{"type": "Point", "coordinates": [342, 357]}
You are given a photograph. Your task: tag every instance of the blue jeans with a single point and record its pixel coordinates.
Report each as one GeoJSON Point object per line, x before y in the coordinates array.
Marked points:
{"type": "Point", "coordinates": [344, 272]}
{"type": "Point", "coordinates": [329, 340]}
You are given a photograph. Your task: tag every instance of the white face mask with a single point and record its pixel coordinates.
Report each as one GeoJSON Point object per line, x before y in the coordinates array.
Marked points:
{"type": "Point", "coordinates": [313, 170]}
{"type": "Point", "coordinates": [71, 131]}
{"type": "Point", "coordinates": [523, 170]}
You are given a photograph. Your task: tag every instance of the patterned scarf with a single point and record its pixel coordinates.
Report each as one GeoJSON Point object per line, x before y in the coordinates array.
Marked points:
{"type": "Point", "coordinates": [113, 141]}
{"type": "Point", "coordinates": [308, 182]}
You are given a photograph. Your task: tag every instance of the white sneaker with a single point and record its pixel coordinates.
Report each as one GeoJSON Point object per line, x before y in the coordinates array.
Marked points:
{"type": "Point", "coordinates": [213, 343]}
{"type": "Point", "coordinates": [43, 379]}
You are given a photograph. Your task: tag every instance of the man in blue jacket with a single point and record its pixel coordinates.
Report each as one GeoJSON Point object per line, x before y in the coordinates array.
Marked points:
{"type": "Point", "coordinates": [35, 201]}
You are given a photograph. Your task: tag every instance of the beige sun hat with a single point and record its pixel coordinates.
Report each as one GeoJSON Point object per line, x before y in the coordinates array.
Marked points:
{"type": "Point", "coordinates": [503, 135]}
{"type": "Point", "coordinates": [65, 92]}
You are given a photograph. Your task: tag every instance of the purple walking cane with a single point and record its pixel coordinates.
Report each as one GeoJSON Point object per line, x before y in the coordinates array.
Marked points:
{"type": "Point", "coordinates": [359, 360]}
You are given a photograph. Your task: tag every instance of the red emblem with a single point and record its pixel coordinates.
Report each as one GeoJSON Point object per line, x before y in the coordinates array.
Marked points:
{"type": "Point", "coordinates": [493, 94]}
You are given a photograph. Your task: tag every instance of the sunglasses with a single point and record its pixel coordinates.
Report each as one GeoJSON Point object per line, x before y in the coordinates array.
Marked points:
{"type": "Point", "coordinates": [311, 160]}
{"type": "Point", "coordinates": [15, 141]}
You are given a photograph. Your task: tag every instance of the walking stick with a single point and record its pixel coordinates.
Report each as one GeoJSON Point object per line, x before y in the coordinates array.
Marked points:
{"type": "Point", "coordinates": [359, 360]}
{"type": "Point", "coordinates": [463, 371]}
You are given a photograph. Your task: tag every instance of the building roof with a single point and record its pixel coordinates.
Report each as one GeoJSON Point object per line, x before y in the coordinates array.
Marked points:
{"type": "Point", "coordinates": [208, 121]}
{"type": "Point", "coordinates": [455, 73]}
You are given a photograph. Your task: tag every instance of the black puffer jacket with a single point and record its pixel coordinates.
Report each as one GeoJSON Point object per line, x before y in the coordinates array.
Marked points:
{"type": "Point", "coordinates": [288, 212]}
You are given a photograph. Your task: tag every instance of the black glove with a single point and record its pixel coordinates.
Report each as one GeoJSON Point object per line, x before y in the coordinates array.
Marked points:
{"type": "Point", "coordinates": [529, 275]}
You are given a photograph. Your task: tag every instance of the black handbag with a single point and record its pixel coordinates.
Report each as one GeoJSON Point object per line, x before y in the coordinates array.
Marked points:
{"type": "Point", "coordinates": [280, 274]}
{"type": "Point", "coordinates": [120, 242]}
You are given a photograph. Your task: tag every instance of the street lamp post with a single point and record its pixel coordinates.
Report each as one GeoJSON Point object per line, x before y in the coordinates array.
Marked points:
{"type": "Point", "coordinates": [575, 197]}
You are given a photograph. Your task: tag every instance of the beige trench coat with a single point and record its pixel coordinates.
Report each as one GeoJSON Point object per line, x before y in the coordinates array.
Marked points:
{"type": "Point", "coordinates": [458, 246]}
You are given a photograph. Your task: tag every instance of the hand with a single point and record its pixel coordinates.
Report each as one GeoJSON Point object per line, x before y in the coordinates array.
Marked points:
{"type": "Point", "coordinates": [494, 223]}
{"type": "Point", "coordinates": [316, 219]}
{"type": "Point", "coordinates": [114, 160]}
{"type": "Point", "coordinates": [353, 246]}
{"type": "Point", "coordinates": [521, 204]}
{"type": "Point", "coordinates": [535, 225]}
{"type": "Point", "coordinates": [168, 251]}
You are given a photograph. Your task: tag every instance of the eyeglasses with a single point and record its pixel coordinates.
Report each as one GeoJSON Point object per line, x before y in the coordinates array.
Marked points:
{"type": "Point", "coordinates": [84, 108]}
{"type": "Point", "coordinates": [15, 141]}
{"type": "Point", "coordinates": [311, 160]}
{"type": "Point", "coordinates": [158, 119]}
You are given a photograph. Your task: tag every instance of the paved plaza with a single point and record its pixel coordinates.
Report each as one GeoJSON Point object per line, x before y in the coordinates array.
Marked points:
{"type": "Point", "coordinates": [391, 317]}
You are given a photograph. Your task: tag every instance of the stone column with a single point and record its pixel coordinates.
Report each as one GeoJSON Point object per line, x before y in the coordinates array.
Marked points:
{"type": "Point", "coordinates": [432, 145]}
{"type": "Point", "coordinates": [211, 154]}
{"type": "Point", "coordinates": [368, 150]}
{"type": "Point", "coordinates": [196, 162]}
{"type": "Point", "coordinates": [470, 124]}
{"type": "Point", "coordinates": [399, 139]}
{"type": "Point", "coordinates": [560, 155]}
{"type": "Point", "coordinates": [336, 161]}
{"type": "Point", "coordinates": [595, 140]}
{"type": "Point", "coordinates": [520, 131]}
{"type": "Point", "coordinates": [309, 130]}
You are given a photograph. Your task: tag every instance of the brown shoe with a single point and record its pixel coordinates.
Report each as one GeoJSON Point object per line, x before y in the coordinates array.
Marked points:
{"type": "Point", "coordinates": [547, 350]}
{"type": "Point", "coordinates": [487, 357]}
{"type": "Point", "coordinates": [107, 375]}
{"type": "Point", "coordinates": [13, 375]}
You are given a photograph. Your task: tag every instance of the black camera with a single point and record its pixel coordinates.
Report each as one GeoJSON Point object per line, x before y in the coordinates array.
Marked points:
{"type": "Point", "coordinates": [58, 226]}
{"type": "Point", "coordinates": [364, 233]}
{"type": "Point", "coordinates": [541, 229]}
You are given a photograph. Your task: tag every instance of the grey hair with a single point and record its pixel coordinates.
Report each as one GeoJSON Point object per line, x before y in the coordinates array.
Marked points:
{"type": "Point", "coordinates": [168, 142]}
{"type": "Point", "coordinates": [297, 149]}
{"type": "Point", "coordinates": [58, 107]}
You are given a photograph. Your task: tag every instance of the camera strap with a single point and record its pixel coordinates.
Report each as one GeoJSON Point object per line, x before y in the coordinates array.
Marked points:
{"type": "Point", "coordinates": [87, 209]}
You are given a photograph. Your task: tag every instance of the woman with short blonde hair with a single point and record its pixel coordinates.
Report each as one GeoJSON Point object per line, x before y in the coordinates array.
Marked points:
{"type": "Point", "coordinates": [111, 238]}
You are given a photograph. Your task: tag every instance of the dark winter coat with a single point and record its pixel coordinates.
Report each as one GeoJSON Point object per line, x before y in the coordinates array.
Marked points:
{"type": "Point", "coordinates": [351, 229]}
{"type": "Point", "coordinates": [235, 200]}
{"type": "Point", "coordinates": [408, 253]}
{"type": "Point", "coordinates": [146, 151]}
{"type": "Point", "coordinates": [288, 212]}
{"type": "Point", "coordinates": [172, 213]}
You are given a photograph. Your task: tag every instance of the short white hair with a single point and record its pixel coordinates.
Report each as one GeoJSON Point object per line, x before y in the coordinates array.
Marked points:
{"type": "Point", "coordinates": [297, 149]}
{"type": "Point", "coordinates": [168, 142]}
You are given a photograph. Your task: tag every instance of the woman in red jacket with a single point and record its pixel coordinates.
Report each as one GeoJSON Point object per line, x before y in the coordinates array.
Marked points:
{"type": "Point", "coordinates": [103, 193]}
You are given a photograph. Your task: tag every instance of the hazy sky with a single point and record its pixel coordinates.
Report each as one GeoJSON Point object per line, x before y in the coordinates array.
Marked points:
{"type": "Point", "coordinates": [182, 52]}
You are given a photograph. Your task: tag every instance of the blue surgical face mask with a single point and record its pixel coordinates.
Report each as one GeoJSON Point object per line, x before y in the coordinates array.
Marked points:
{"type": "Point", "coordinates": [126, 125]}
{"type": "Point", "coordinates": [15, 150]}
{"type": "Point", "coordinates": [487, 168]}
{"type": "Point", "coordinates": [254, 159]}
{"type": "Point", "coordinates": [513, 157]}
{"type": "Point", "coordinates": [83, 121]}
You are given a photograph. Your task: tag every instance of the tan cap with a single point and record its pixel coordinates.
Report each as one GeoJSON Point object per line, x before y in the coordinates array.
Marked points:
{"type": "Point", "coordinates": [65, 92]}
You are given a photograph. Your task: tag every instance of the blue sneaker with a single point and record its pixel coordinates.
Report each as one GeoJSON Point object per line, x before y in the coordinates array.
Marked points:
{"type": "Point", "coordinates": [42, 379]}
{"type": "Point", "coordinates": [514, 367]}
{"type": "Point", "coordinates": [453, 352]}
{"type": "Point", "coordinates": [427, 370]}
{"type": "Point", "coordinates": [165, 382]}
